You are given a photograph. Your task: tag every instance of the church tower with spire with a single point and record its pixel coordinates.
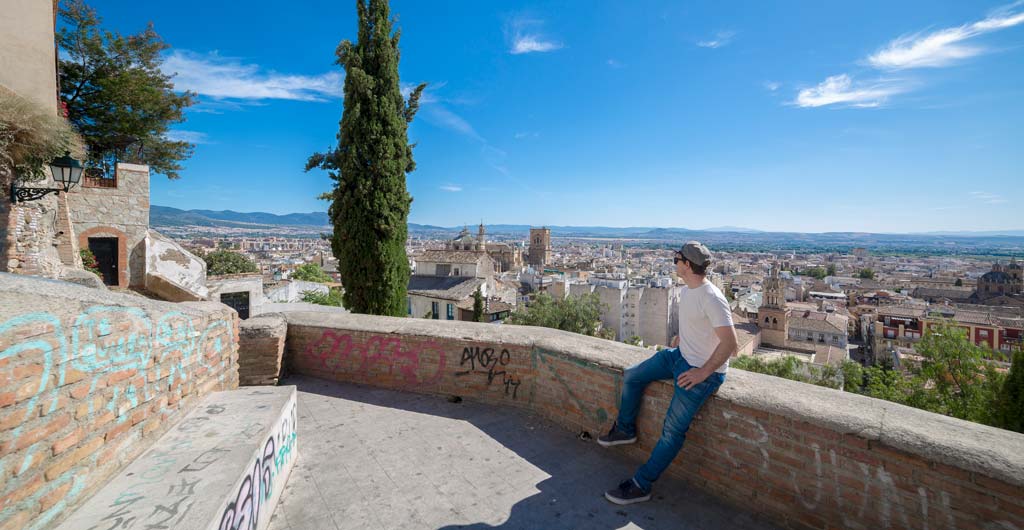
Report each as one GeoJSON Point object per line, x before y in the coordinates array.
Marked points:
{"type": "Point", "coordinates": [772, 316]}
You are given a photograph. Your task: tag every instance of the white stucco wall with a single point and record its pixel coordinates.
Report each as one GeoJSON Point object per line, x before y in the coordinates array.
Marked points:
{"type": "Point", "coordinates": [27, 52]}
{"type": "Point", "coordinates": [166, 258]}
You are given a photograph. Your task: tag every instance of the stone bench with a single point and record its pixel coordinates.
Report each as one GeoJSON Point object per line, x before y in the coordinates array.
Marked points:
{"type": "Point", "coordinates": [222, 467]}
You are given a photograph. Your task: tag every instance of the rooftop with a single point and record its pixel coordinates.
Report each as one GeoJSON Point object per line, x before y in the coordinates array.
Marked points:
{"type": "Point", "coordinates": [371, 458]}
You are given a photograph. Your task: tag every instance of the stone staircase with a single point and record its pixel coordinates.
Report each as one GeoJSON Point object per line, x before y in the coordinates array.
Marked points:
{"type": "Point", "coordinates": [222, 467]}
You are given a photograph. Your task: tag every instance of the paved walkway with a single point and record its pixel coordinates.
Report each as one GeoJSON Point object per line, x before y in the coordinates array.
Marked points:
{"type": "Point", "coordinates": [380, 459]}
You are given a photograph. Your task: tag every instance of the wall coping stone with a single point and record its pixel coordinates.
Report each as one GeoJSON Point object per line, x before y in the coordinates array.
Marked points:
{"type": "Point", "coordinates": [993, 452]}
{"type": "Point", "coordinates": [36, 287]}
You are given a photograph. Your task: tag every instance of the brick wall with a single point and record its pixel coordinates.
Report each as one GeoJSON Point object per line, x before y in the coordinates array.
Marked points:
{"type": "Point", "coordinates": [88, 379]}
{"type": "Point", "coordinates": [260, 350]}
{"type": "Point", "coordinates": [805, 456]}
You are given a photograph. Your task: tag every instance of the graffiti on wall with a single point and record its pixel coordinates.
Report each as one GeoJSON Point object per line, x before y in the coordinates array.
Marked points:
{"type": "Point", "coordinates": [243, 513]}
{"type": "Point", "coordinates": [120, 354]}
{"type": "Point", "coordinates": [879, 486]}
{"type": "Point", "coordinates": [419, 363]}
{"type": "Point", "coordinates": [494, 365]}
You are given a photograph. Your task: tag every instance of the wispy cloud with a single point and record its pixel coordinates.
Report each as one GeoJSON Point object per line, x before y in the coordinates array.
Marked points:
{"type": "Point", "coordinates": [614, 63]}
{"type": "Point", "coordinates": [220, 77]}
{"type": "Point", "coordinates": [945, 46]}
{"type": "Point", "coordinates": [441, 116]}
{"type": "Point", "coordinates": [192, 137]}
{"type": "Point", "coordinates": [771, 86]}
{"type": "Point", "coordinates": [841, 90]}
{"type": "Point", "coordinates": [988, 198]}
{"type": "Point", "coordinates": [721, 39]}
{"type": "Point", "coordinates": [525, 134]}
{"type": "Point", "coordinates": [525, 36]}
{"type": "Point", "coordinates": [451, 187]}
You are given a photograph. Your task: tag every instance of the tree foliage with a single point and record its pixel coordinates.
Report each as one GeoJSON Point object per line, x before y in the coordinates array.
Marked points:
{"type": "Point", "coordinates": [789, 367]}
{"type": "Point", "coordinates": [575, 314]}
{"type": "Point", "coordinates": [310, 272]}
{"type": "Point", "coordinates": [331, 297]}
{"type": "Point", "coordinates": [369, 202]}
{"type": "Point", "coordinates": [478, 305]}
{"type": "Point", "coordinates": [116, 94]}
{"type": "Point", "coordinates": [866, 274]}
{"type": "Point", "coordinates": [1010, 403]}
{"type": "Point", "coordinates": [227, 262]}
{"type": "Point", "coordinates": [30, 137]}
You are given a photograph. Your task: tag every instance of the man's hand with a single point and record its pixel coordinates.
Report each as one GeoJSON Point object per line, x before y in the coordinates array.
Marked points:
{"type": "Point", "coordinates": [692, 378]}
{"type": "Point", "coordinates": [675, 341]}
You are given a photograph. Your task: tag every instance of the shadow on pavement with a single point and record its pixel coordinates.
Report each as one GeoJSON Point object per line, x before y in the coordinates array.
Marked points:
{"type": "Point", "coordinates": [580, 470]}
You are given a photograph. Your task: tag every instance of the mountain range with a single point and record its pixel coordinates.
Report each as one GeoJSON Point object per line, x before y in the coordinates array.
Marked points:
{"type": "Point", "coordinates": [1008, 242]}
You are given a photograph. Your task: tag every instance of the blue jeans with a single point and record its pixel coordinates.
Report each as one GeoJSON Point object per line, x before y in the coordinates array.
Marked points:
{"type": "Point", "coordinates": [666, 364]}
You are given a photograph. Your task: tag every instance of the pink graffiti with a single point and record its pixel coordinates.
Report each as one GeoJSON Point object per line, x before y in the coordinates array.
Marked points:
{"type": "Point", "coordinates": [333, 349]}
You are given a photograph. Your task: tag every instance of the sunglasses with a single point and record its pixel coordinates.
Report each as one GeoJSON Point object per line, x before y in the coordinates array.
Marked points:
{"type": "Point", "coordinates": [677, 258]}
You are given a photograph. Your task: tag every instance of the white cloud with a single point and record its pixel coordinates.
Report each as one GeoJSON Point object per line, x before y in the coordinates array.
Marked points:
{"type": "Point", "coordinates": [440, 116]}
{"type": "Point", "coordinates": [841, 90]}
{"type": "Point", "coordinates": [228, 78]}
{"type": "Point", "coordinates": [451, 187]}
{"type": "Point", "coordinates": [525, 134]}
{"type": "Point", "coordinates": [771, 85]}
{"type": "Point", "coordinates": [525, 37]}
{"type": "Point", "coordinates": [988, 198]}
{"type": "Point", "coordinates": [721, 39]}
{"type": "Point", "coordinates": [192, 137]}
{"type": "Point", "coordinates": [945, 46]}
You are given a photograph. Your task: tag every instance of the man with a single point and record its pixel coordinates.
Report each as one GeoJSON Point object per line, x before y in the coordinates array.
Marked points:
{"type": "Point", "coordinates": [697, 361]}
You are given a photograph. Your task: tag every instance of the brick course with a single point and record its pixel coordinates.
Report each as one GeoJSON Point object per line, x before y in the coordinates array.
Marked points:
{"type": "Point", "coordinates": [804, 456]}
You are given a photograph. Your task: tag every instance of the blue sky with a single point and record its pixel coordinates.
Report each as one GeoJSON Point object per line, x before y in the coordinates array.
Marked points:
{"type": "Point", "coordinates": [806, 116]}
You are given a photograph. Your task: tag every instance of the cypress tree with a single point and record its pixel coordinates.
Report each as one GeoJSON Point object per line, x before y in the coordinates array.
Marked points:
{"type": "Point", "coordinates": [369, 202]}
{"type": "Point", "coordinates": [1011, 399]}
{"type": "Point", "coordinates": [478, 306]}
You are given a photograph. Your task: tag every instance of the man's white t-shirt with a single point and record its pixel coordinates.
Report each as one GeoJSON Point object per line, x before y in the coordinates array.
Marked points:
{"type": "Point", "coordinates": [701, 310]}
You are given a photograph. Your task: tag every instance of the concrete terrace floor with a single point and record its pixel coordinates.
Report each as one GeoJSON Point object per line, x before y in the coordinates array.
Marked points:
{"type": "Point", "coordinates": [379, 459]}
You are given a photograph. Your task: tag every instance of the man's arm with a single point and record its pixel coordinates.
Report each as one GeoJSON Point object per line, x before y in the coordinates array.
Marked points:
{"type": "Point", "coordinates": [727, 346]}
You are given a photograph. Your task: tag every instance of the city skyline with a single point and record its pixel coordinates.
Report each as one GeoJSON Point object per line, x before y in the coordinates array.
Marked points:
{"type": "Point", "coordinates": [779, 118]}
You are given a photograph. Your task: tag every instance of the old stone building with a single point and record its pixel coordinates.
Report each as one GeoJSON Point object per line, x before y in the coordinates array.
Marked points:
{"type": "Point", "coordinates": [771, 316]}
{"type": "Point", "coordinates": [540, 248]}
{"type": "Point", "coordinates": [801, 327]}
{"type": "Point", "coordinates": [506, 257]}
{"type": "Point", "coordinates": [110, 217]}
{"type": "Point", "coordinates": [1003, 285]}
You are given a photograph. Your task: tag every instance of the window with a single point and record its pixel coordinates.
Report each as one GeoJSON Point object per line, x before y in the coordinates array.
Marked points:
{"type": "Point", "coordinates": [835, 339]}
{"type": "Point", "coordinates": [408, 303]}
{"type": "Point", "coordinates": [443, 269]}
{"type": "Point", "coordinates": [765, 320]}
{"type": "Point", "coordinates": [457, 272]}
{"type": "Point", "coordinates": [983, 333]}
{"type": "Point", "coordinates": [435, 310]}
{"type": "Point", "coordinates": [451, 311]}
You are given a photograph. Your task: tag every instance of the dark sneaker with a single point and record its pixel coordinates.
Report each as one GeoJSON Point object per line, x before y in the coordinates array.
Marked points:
{"type": "Point", "coordinates": [615, 437]}
{"type": "Point", "coordinates": [627, 493]}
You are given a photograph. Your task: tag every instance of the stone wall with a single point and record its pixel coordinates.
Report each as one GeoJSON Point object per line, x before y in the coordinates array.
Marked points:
{"type": "Point", "coordinates": [28, 237]}
{"type": "Point", "coordinates": [805, 456]}
{"type": "Point", "coordinates": [121, 212]}
{"type": "Point", "coordinates": [88, 379]}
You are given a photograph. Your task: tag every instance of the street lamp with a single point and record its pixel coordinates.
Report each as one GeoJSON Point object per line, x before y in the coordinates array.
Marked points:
{"type": "Point", "coordinates": [66, 172]}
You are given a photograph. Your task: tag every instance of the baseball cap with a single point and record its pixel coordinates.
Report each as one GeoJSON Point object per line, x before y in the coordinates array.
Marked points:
{"type": "Point", "coordinates": [696, 253]}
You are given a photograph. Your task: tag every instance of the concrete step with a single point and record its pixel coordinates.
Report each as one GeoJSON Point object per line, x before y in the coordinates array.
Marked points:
{"type": "Point", "coordinates": [221, 467]}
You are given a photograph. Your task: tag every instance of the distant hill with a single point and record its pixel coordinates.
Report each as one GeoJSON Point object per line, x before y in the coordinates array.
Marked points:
{"type": "Point", "coordinates": [1003, 243]}
{"type": "Point", "coordinates": [737, 229]}
{"type": "Point", "coordinates": [167, 216]}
